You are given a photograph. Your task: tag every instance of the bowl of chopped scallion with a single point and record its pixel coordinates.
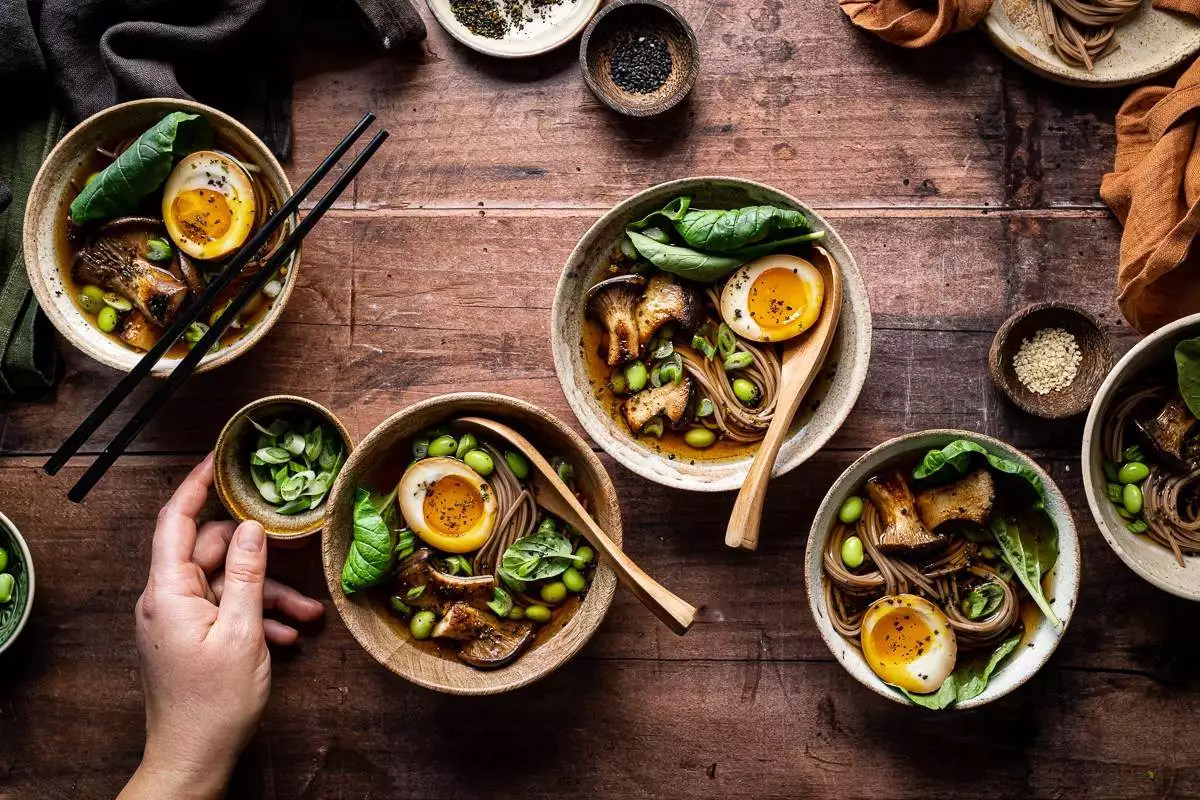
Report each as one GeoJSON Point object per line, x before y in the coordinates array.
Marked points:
{"type": "Point", "coordinates": [16, 583]}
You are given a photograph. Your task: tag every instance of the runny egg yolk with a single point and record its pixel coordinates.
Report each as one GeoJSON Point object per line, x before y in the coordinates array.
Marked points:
{"type": "Point", "coordinates": [452, 506]}
{"type": "Point", "coordinates": [778, 299]}
{"type": "Point", "coordinates": [908, 642]}
{"type": "Point", "coordinates": [203, 214]}
{"type": "Point", "coordinates": [772, 299]}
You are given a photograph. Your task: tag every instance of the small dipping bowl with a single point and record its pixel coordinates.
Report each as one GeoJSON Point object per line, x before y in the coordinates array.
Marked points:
{"type": "Point", "coordinates": [617, 23]}
{"type": "Point", "coordinates": [231, 464]}
{"type": "Point", "coordinates": [1094, 347]}
{"type": "Point", "coordinates": [15, 613]}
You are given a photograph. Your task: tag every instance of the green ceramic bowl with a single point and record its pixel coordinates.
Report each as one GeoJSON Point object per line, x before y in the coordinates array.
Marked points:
{"type": "Point", "coordinates": [15, 613]}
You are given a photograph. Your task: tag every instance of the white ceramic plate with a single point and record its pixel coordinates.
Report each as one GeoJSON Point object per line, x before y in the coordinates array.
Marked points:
{"type": "Point", "coordinates": [1064, 576]}
{"type": "Point", "coordinates": [1149, 43]}
{"type": "Point", "coordinates": [542, 34]}
{"type": "Point", "coordinates": [1152, 561]}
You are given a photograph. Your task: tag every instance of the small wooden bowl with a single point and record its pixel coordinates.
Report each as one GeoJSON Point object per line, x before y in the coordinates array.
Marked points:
{"type": "Point", "coordinates": [231, 465]}
{"type": "Point", "coordinates": [1094, 346]}
{"type": "Point", "coordinates": [624, 18]}
{"type": "Point", "coordinates": [381, 458]}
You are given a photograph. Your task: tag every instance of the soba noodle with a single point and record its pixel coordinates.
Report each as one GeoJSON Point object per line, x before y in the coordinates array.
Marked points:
{"type": "Point", "coordinates": [517, 516]}
{"type": "Point", "coordinates": [1081, 31]}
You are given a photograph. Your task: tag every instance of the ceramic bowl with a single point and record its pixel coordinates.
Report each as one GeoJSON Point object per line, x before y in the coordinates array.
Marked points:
{"type": "Point", "coordinates": [46, 251]}
{"type": "Point", "coordinates": [1152, 561]}
{"type": "Point", "coordinates": [231, 464]}
{"type": "Point", "coordinates": [541, 34]}
{"type": "Point", "coordinates": [824, 410]}
{"type": "Point", "coordinates": [15, 614]}
{"type": "Point", "coordinates": [1061, 583]}
{"type": "Point", "coordinates": [367, 615]}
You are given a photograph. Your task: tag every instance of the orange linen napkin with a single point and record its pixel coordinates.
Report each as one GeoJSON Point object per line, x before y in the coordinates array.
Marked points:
{"type": "Point", "coordinates": [1182, 6]}
{"type": "Point", "coordinates": [1154, 189]}
{"type": "Point", "coordinates": [916, 24]}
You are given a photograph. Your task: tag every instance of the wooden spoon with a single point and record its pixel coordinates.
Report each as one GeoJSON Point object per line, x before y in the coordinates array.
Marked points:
{"type": "Point", "coordinates": [802, 360]}
{"type": "Point", "coordinates": [555, 497]}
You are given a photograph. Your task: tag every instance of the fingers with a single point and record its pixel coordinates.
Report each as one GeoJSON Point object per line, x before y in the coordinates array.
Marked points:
{"type": "Point", "coordinates": [245, 575]}
{"type": "Point", "coordinates": [279, 634]}
{"type": "Point", "coordinates": [282, 598]}
{"type": "Point", "coordinates": [212, 544]}
{"type": "Point", "coordinates": [175, 534]}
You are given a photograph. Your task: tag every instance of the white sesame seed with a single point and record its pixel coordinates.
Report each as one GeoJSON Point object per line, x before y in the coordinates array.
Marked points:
{"type": "Point", "coordinates": [1048, 362]}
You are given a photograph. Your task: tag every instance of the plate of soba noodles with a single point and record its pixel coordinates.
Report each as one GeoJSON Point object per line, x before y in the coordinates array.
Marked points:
{"type": "Point", "coordinates": [134, 212]}
{"type": "Point", "coordinates": [671, 319]}
{"type": "Point", "coordinates": [942, 569]}
{"type": "Point", "coordinates": [1141, 458]}
{"type": "Point", "coordinates": [1093, 43]}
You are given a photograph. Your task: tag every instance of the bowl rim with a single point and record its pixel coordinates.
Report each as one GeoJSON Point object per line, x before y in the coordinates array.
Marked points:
{"type": "Point", "coordinates": [585, 49]}
{"type": "Point", "coordinates": [315, 516]}
{"type": "Point", "coordinates": [1066, 594]}
{"type": "Point", "coordinates": [480, 44]}
{"type": "Point", "coordinates": [588, 414]}
{"type": "Point", "coordinates": [27, 557]}
{"type": "Point", "coordinates": [600, 595]}
{"type": "Point", "coordinates": [1091, 433]}
{"type": "Point", "coordinates": [32, 245]}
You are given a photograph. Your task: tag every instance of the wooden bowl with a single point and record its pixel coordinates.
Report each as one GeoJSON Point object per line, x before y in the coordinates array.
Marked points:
{"type": "Point", "coordinates": [231, 465]}
{"type": "Point", "coordinates": [1061, 583]}
{"type": "Point", "coordinates": [44, 232]}
{"type": "Point", "coordinates": [20, 565]}
{"type": "Point", "coordinates": [1153, 562]}
{"type": "Point", "coordinates": [824, 409]}
{"type": "Point", "coordinates": [622, 19]}
{"type": "Point", "coordinates": [1094, 347]}
{"type": "Point", "coordinates": [367, 615]}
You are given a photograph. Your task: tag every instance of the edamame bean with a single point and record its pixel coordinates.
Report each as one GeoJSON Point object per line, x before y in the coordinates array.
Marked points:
{"type": "Point", "coordinates": [7, 584]}
{"type": "Point", "coordinates": [1131, 498]}
{"type": "Point", "coordinates": [3, 559]}
{"type": "Point", "coordinates": [585, 555]}
{"type": "Point", "coordinates": [554, 592]}
{"type": "Point", "coordinates": [574, 581]}
{"type": "Point", "coordinates": [746, 391]}
{"type": "Point", "coordinates": [537, 614]}
{"type": "Point", "coordinates": [852, 552]}
{"type": "Point", "coordinates": [91, 299]}
{"type": "Point", "coordinates": [700, 437]}
{"type": "Point", "coordinates": [518, 464]}
{"type": "Point", "coordinates": [1133, 472]}
{"type": "Point", "coordinates": [420, 448]}
{"type": "Point", "coordinates": [851, 510]}
{"type": "Point", "coordinates": [443, 446]}
{"type": "Point", "coordinates": [480, 461]}
{"type": "Point", "coordinates": [547, 525]}
{"type": "Point", "coordinates": [466, 444]}
{"type": "Point", "coordinates": [421, 625]}
{"type": "Point", "coordinates": [106, 319]}
{"type": "Point", "coordinates": [617, 383]}
{"type": "Point", "coordinates": [566, 472]}
{"type": "Point", "coordinates": [516, 612]}
{"type": "Point", "coordinates": [635, 376]}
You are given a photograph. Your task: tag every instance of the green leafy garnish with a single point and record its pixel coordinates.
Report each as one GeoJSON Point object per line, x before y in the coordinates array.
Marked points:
{"type": "Point", "coordinates": [955, 459]}
{"type": "Point", "coordinates": [720, 230]}
{"type": "Point", "coordinates": [372, 551]}
{"type": "Point", "coordinates": [1187, 368]}
{"type": "Point", "coordinates": [968, 680]}
{"type": "Point", "coordinates": [501, 603]}
{"type": "Point", "coordinates": [541, 555]}
{"type": "Point", "coordinates": [983, 600]}
{"type": "Point", "coordinates": [293, 469]}
{"type": "Point", "coordinates": [702, 267]}
{"type": "Point", "coordinates": [1030, 554]}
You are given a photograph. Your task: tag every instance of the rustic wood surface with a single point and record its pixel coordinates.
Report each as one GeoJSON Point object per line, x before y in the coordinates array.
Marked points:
{"type": "Point", "coordinates": [966, 187]}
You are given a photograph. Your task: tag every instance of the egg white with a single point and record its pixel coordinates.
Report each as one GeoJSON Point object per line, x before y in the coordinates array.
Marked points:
{"type": "Point", "coordinates": [227, 180]}
{"type": "Point", "coordinates": [736, 297]}
{"type": "Point", "coordinates": [918, 664]}
{"type": "Point", "coordinates": [416, 483]}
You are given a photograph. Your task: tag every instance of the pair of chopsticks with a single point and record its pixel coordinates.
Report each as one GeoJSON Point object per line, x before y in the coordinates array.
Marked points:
{"type": "Point", "coordinates": [201, 305]}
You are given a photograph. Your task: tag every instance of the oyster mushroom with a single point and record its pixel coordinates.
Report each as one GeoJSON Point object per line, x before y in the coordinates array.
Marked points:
{"type": "Point", "coordinates": [1169, 431]}
{"type": "Point", "coordinates": [669, 400]}
{"type": "Point", "coordinates": [488, 642]}
{"type": "Point", "coordinates": [902, 526]}
{"type": "Point", "coordinates": [613, 303]}
{"type": "Point", "coordinates": [114, 257]}
{"type": "Point", "coordinates": [667, 299]}
{"type": "Point", "coordinates": [969, 499]}
{"type": "Point", "coordinates": [441, 590]}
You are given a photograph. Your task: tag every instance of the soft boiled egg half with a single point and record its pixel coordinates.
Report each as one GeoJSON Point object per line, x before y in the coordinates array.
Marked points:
{"type": "Point", "coordinates": [447, 504]}
{"type": "Point", "coordinates": [908, 642]}
{"type": "Point", "coordinates": [772, 299]}
{"type": "Point", "coordinates": [208, 205]}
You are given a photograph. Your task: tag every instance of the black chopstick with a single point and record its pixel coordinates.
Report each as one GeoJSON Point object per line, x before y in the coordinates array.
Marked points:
{"type": "Point", "coordinates": [200, 305]}
{"type": "Point", "coordinates": [184, 369]}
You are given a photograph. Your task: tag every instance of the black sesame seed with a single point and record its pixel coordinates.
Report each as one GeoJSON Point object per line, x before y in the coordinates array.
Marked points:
{"type": "Point", "coordinates": [640, 64]}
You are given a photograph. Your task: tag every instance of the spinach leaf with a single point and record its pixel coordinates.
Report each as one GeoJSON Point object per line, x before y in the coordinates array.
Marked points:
{"type": "Point", "coordinates": [692, 264]}
{"type": "Point", "coordinates": [1030, 554]}
{"type": "Point", "coordinates": [983, 600]}
{"type": "Point", "coordinates": [141, 168]}
{"type": "Point", "coordinates": [671, 212]}
{"type": "Point", "coordinates": [956, 458]}
{"type": "Point", "coordinates": [540, 555]}
{"type": "Point", "coordinates": [717, 230]}
{"type": "Point", "coordinates": [372, 551]}
{"type": "Point", "coordinates": [968, 680]}
{"type": "Point", "coordinates": [1187, 367]}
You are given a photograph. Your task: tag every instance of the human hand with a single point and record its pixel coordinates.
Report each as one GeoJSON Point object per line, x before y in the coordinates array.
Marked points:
{"type": "Point", "coordinates": [202, 645]}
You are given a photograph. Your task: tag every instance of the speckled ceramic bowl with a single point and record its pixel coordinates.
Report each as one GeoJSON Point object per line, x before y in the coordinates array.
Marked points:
{"type": "Point", "coordinates": [20, 565]}
{"type": "Point", "coordinates": [44, 230]}
{"type": "Point", "coordinates": [1061, 583]}
{"type": "Point", "coordinates": [1152, 561]}
{"type": "Point", "coordinates": [825, 408]}
{"type": "Point", "coordinates": [231, 464]}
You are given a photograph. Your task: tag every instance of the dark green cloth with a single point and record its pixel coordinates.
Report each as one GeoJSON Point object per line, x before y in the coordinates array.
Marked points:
{"type": "Point", "coordinates": [28, 359]}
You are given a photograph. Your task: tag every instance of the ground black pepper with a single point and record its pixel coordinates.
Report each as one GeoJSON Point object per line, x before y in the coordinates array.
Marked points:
{"type": "Point", "coordinates": [640, 64]}
{"type": "Point", "coordinates": [494, 19]}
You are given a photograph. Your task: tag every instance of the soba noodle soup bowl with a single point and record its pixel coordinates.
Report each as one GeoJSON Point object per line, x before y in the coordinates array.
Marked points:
{"type": "Point", "coordinates": [381, 463]}
{"type": "Point", "coordinates": [139, 282]}
{"type": "Point", "coordinates": [1149, 363]}
{"type": "Point", "coordinates": [587, 376]}
{"type": "Point", "coordinates": [1019, 636]}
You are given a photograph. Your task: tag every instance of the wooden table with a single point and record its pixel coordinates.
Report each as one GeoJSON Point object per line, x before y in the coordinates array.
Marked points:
{"type": "Point", "coordinates": [965, 186]}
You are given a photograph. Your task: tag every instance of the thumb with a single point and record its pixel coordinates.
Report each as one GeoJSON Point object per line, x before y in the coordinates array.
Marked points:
{"type": "Point", "coordinates": [245, 574]}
